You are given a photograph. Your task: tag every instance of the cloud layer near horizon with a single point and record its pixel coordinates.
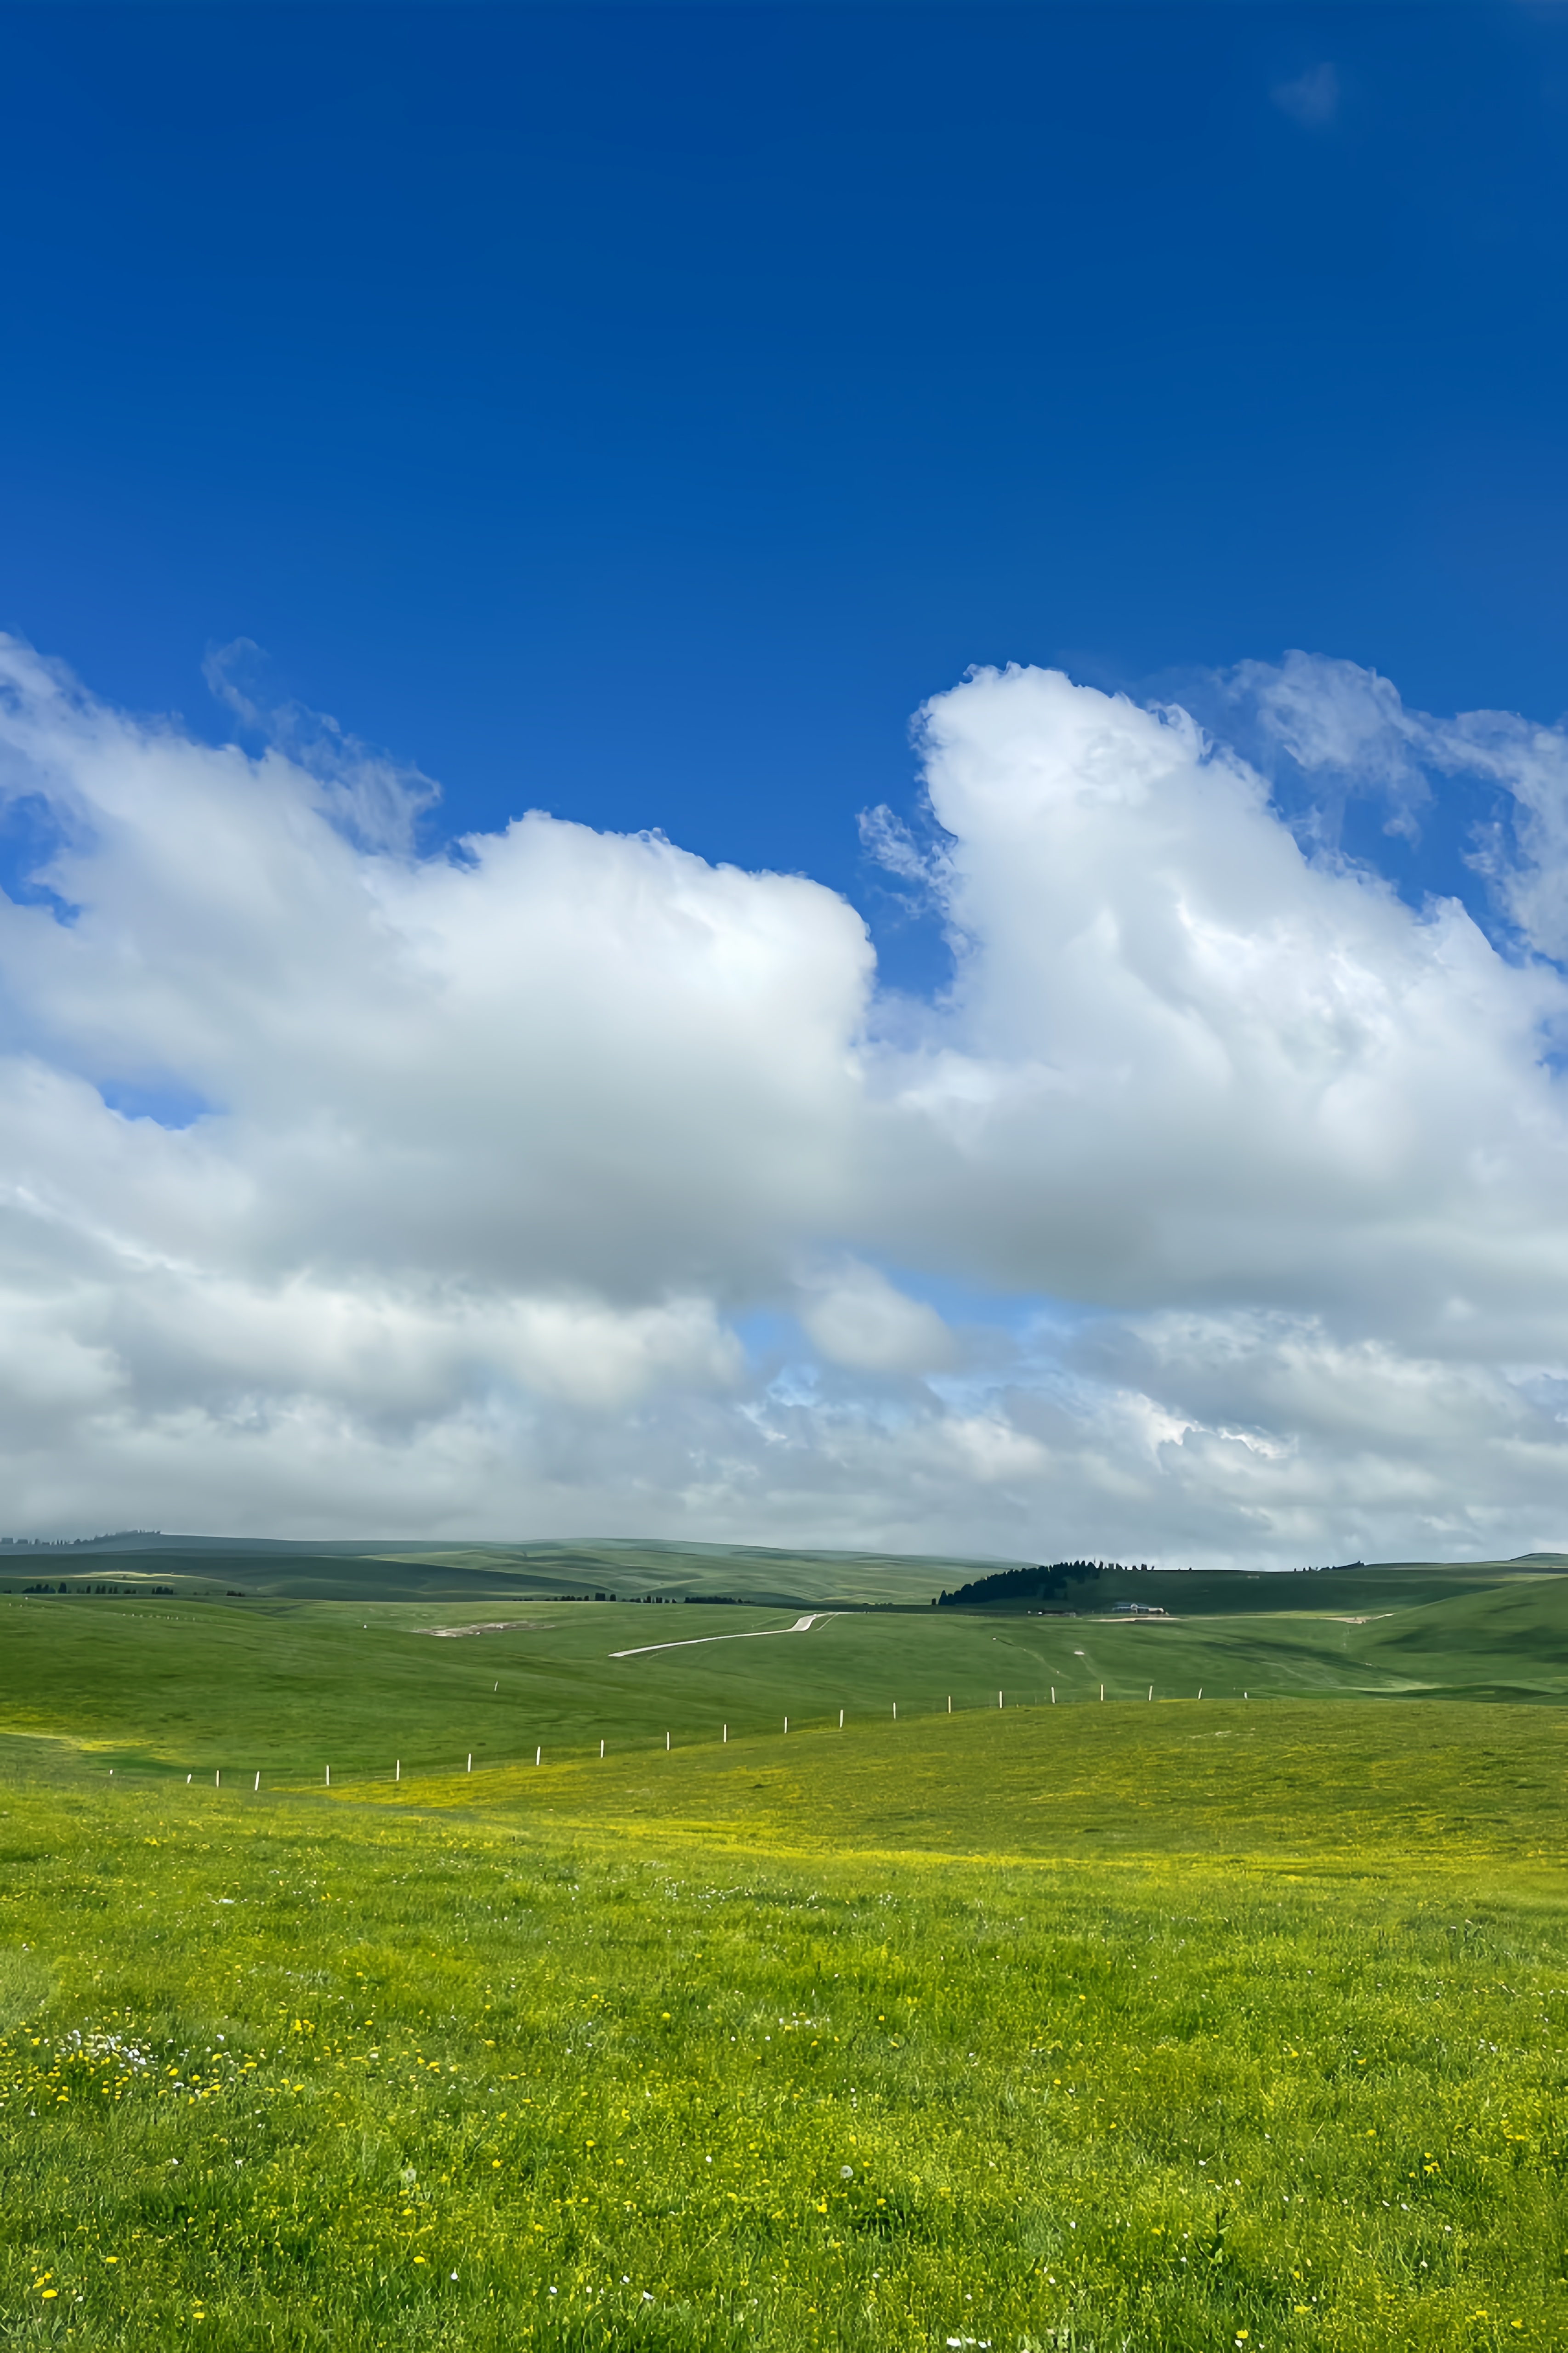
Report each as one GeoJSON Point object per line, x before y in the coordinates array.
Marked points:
{"type": "Point", "coordinates": [558, 1182]}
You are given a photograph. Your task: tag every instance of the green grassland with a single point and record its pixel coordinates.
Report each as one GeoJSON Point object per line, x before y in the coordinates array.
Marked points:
{"type": "Point", "coordinates": [871, 2042]}
{"type": "Point", "coordinates": [1235, 2023]}
{"type": "Point", "coordinates": [289, 1689]}
{"type": "Point", "coordinates": [205, 1566]}
{"type": "Point", "coordinates": [262, 1568]}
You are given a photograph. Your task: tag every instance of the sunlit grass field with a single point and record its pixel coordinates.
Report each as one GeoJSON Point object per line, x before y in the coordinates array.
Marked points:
{"type": "Point", "coordinates": [290, 1690]}
{"type": "Point", "coordinates": [1200, 2024]}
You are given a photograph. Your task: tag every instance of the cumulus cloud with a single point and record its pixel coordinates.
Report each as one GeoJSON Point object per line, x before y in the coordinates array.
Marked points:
{"type": "Point", "coordinates": [1185, 1060]}
{"type": "Point", "coordinates": [856, 1317]}
{"type": "Point", "coordinates": [549, 1181]}
{"type": "Point", "coordinates": [1311, 98]}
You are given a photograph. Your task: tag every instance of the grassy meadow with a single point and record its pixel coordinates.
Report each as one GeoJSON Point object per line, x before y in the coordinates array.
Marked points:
{"type": "Point", "coordinates": [1231, 2023]}
{"type": "Point", "coordinates": [290, 1688]}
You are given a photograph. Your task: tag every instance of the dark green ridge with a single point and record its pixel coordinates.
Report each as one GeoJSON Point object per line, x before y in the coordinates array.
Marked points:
{"type": "Point", "coordinates": [209, 1567]}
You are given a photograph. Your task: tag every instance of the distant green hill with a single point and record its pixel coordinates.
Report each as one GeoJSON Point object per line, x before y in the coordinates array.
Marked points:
{"type": "Point", "coordinates": [1505, 1641]}
{"type": "Point", "coordinates": [633, 1569]}
{"type": "Point", "coordinates": [288, 1683]}
{"type": "Point", "coordinates": [1087, 1586]}
{"type": "Point", "coordinates": [630, 1568]}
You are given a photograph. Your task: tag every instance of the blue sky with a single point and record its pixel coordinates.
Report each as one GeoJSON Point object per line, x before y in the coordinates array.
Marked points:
{"type": "Point", "coordinates": [639, 415]}
{"type": "Point", "coordinates": [638, 412]}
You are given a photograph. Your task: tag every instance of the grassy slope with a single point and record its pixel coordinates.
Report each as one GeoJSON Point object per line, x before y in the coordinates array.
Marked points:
{"type": "Point", "coordinates": [406, 1573]}
{"type": "Point", "coordinates": [1136, 2027]}
{"type": "Point", "coordinates": [1419, 1785]}
{"type": "Point", "coordinates": [1155, 2029]}
{"type": "Point", "coordinates": [712, 2052]}
{"type": "Point", "coordinates": [290, 1690]}
{"type": "Point", "coordinates": [348, 1572]}
{"type": "Point", "coordinates": [753, 1571]}
{"type": "Point", "coordinates": [1515, 1635]}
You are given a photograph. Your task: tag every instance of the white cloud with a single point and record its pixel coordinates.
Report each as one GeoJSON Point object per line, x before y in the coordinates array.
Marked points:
{"type": "Point", "coordinates": [505, 1146]}
{"type": "Point", "coordinates": [1312, 99]}
{"type": "Point", "coordinates": [857, 1318]}
{"type": "Point", "coordinates": [1185, 1063]}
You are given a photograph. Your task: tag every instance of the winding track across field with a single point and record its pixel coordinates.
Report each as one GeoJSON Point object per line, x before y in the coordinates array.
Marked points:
{"type": "Point", "coordinates": [757, 1634]}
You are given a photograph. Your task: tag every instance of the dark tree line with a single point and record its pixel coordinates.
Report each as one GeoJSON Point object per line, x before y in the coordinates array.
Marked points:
{"type": "Point", "coordinates": [1041, 1583]}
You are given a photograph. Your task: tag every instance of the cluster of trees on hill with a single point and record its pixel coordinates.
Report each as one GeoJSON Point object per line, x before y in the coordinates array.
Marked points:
{"type": "Point", "coordinates": [69, 1543]}
{"type": "Point", "coordinates": [1044, 1582]}
{"type": "Point", "coordinates": [115, 1592]}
